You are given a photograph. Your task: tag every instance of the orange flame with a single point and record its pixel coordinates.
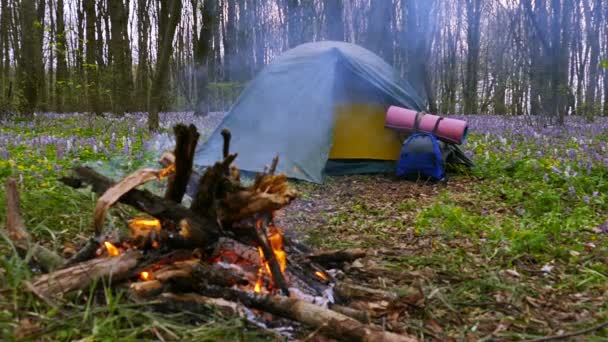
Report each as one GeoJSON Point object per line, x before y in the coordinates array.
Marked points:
{"type": "Point", "coordinates": [112, 250]}
{"type": "Point", "coordinates": [166, 171]}
{"type": "Point", "coordinates": [321, 275]}
{"type": "Point", "coordinates": [276, 242]}
{"type": "Point", "coordinates": [145, 275]}
{"type": "Point", "coordinates": [143, 226]}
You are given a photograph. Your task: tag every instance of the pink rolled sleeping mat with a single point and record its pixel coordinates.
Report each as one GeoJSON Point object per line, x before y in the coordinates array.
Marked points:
{"type": "Point", "coordinates": [404, 120]}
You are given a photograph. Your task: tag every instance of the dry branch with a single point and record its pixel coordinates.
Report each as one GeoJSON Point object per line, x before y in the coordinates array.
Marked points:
{"type": "Point", "coordinates": [339, 256]}
{"type": "Point", "coordinates": [82, 275]}
{"type": "Point", "coordinates": [353, 291]}
{"type": "Point", "coordinates": [21, 238]}
{"type": "Point", "coordinates": [116, 191]}
{"type": "Point", "coordinates": [202, 231]}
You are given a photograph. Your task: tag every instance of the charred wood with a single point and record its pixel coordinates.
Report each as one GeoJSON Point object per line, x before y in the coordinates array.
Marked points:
{"type": "Point", "coordinates": [186, 138]}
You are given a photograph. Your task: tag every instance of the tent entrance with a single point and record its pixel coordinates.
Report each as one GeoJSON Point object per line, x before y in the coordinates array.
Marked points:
{"type": "Point", "coordinates": [359, 133]}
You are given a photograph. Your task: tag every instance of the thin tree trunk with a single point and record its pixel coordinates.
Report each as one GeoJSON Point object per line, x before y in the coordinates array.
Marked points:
{"type": "Point", "coordinates": [170, 14]}
{"type": "Point", "coordinates": [121, 57]}
{"type": "Point", "coordinates": [92, 68]}
{"type": "Point", "coordinates": [61, 48]}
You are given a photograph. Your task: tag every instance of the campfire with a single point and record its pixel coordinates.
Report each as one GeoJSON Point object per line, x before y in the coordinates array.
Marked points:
{"type": "Point", "coordinates": [225, 250]}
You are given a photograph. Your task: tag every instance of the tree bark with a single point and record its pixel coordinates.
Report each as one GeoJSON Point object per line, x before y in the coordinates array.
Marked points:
{"type": "Point", "coordinates": [92, 67]}
{"type": "Point", "coordinates": [169, 16]}
{"type": "Point", "coordinates": [122, 81]}
{"type": "Point", "coordinates": [334, 20]}
{"type": "Point", "coordinates": [473, 14]}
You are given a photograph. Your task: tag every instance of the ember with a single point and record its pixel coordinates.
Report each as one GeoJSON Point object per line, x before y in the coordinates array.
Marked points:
{"type": "Point", "coordinates": [143, 227]}
{"type": "Point", "coordinates": [321, 275]}
{"type": "Point", "coordinates": [166, 171]}
{"type": "Point", "coordinates": [112, 250]}
{"type": "Point", "coordinates": [145, 275]}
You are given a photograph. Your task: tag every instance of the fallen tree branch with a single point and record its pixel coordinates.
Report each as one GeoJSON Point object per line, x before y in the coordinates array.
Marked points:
{"type": "Point", "coordinates": [573, 334]}
{"type": "Point", "coordinates": [202, 231]}
{"type": "Point", "coordinates": [82, 275]}
{"type": "Point", "coordinates": [21, 238]}
{"type": "Point", "coordinates": [339, 256]}
{"type": "Point", "coordinates": [116, 191]}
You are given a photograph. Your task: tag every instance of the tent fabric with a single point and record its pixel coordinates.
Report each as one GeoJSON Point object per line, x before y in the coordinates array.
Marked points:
{"type": "Point", "coordinates": [297, 105]}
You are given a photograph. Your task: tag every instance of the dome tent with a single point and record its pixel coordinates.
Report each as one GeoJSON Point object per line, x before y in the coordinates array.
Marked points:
{"type": "Point", "coordinates": [321, 108]}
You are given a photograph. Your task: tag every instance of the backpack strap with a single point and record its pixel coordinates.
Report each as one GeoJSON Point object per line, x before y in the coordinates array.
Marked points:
{"type": "Point", "coordinates": [436, 126]}
{"type": "Point", "coordinates": [417, 120]}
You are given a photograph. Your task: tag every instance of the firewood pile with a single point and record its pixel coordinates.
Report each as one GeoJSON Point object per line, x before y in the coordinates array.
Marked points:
{"type": "Point", "coordinates": [224, 250]}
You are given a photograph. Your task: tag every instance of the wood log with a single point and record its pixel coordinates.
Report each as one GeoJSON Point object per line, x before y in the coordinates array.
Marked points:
{"type": "Point", "coordinates": [330, 258]}
{"type": "Point", "coordinates": [82, 275]}
{"type": "Point", "coordinates": [359, 315]}
{"type": "Point", "coordinates": [196, 303]}
{"type": "Point", "coordinates": [147, 288]}
{"type": "Point", "coordinates": [329, 322]}
{"type": "Point", "coordinates": [203, 231]}
{"type": "Point", "coordinates": [21, 237]}
{"type": "Point", "coordinates": [216, 275]}
{"type": "Point", "coordinates": [186, 138]}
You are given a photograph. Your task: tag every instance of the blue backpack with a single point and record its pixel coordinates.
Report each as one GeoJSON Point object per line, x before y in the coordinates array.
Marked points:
{"type": "Point", "coordinates": [422, 157]}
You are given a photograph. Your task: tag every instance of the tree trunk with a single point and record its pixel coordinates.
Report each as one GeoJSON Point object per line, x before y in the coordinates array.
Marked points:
{"type": "Point", "coordinates": [61, 48]}
{"type": "Point", "coordinates": [121, 57]}
{"type": "Point", "coordinates": [142, 83]}
{"type": "Point", "coordinates": [417, 40]}
{"type": "Point", "coordinates": [334, 19]}
{"type": "Point", "coordinates": [92, 68]}
{"type": "Point", "coordinates": [473, 14]}
{"type": "Point", "coordinates": [170, 14]}
{"type": "Point", "coordinates": [31, 68]}
{"type": "Point", "coordinates": [379, 38]}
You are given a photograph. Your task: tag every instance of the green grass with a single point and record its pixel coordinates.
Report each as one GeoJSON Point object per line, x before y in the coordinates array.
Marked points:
{"type": "Point", "coordinates": [476, 246]}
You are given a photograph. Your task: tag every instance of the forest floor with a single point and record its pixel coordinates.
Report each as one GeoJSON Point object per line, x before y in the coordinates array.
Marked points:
{"type": "Point", "coordinates": [515, 250]}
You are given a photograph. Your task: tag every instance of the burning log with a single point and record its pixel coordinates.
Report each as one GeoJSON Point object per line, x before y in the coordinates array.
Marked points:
{"type": "Point", "coordinates": [82, 275]}
{"type": "Point", "coordinates": [259, 234]}
{"type": "Point", "coordinates": [21, 238]}
{"type": "Point", "coordinates": [329, 322]}
{"type": "Point", "coordinates": [202, 231]}
{"type": "Point", "coordinates": [185, 145]}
